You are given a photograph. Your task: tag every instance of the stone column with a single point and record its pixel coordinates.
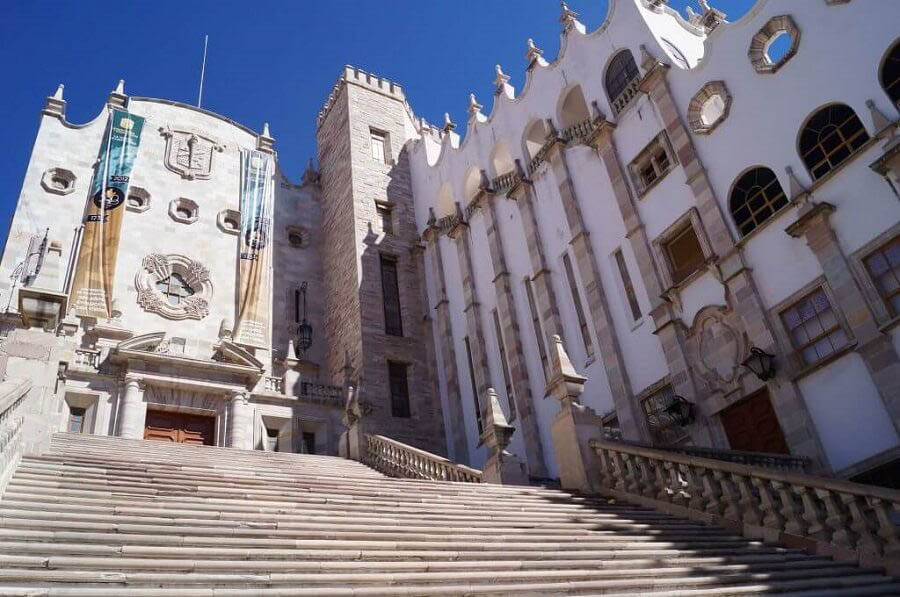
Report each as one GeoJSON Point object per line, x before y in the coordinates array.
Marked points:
{"type": "Point", "coordinates": [512, 341]}
{"type": "Point", "coordinates": [131, 410]}
{"type": "Point", "coordinates": [448, 353]}
{"type": "Point", "coordinates": [501, 466]}
{"type": "Point", "coordinates": [574, 426]}
{"type": "Point", "coordinates": [240, 422]}
{"type": "Point", "coordinates": [873, 345]}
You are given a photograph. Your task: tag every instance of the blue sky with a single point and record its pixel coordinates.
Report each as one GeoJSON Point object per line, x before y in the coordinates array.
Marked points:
{"type": "Point", "coordinates": [268, 61]}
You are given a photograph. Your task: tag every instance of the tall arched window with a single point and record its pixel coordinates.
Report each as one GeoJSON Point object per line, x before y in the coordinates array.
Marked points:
{"type": "Point", "coordinates": [621, 80]}
{"type": "Point", "coordinates": [890, 74]}
{"type": "Point", "coordinates": [829, 137]}
{"type": "Point", "coordinates": [755, 197]}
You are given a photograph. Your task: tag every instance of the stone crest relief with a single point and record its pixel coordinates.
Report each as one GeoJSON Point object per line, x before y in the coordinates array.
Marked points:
{"type": "Point", "coordinates": [173, 286]}
{"type": "Point", "coordinates": [718, 350]}
{"type": "Point", "coordinates": [189, 154]}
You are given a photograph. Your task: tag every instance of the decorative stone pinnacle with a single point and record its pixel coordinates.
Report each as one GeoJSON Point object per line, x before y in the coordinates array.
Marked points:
{"type": "Point", "coordinates": [501, 79]}
{"type": "Point", "coordinates": [58, 95]}
{"type": "Point", "coordinates": [448, 123]}
{"type": "Point", "coordinates": [533, 52]}
{"type": "Point", "coordinates": [794, 187]}
{"type": "Point", "coordinates": [474, 106]}
{"type": "Point", "coordinates": [497, 430]}
{"type": "Point", "coordinates": [310, 174]}
{"type": "Point", "coordinates": [432, 218]}
{"type": "Point", "coordinates": [881, 122]}
{"type": "Point", "coordinates": [565, 384]}
{"type": "Point", "coordinates": [120, 88]}
{"type": "Point", "coordinates": [265, 132]}
{"type": "Point", "coordinates": [568, 17]}
{"type": "Point", "coordinates": [56, 105]}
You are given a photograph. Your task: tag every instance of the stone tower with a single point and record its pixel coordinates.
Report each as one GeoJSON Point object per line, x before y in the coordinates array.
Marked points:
{"type": "Point", "coordinates": [374, 298]}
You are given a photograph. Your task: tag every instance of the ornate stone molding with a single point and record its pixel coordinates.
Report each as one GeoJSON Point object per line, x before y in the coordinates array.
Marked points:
{"type": "Point", "coordinates": [709, 91]}
{"type": "Point", "coordinates": [759, 45]}
{"type": "Point", "coordinates": [157, 267]}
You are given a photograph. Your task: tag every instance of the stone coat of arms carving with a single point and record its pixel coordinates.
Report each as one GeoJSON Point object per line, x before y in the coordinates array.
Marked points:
{"type": "Point", "coordinates": [189, 154]}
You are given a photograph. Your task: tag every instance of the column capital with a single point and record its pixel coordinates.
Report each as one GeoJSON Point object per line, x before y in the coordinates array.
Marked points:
{"type": "Point", "coordinates": [131, 380]}
{"type": "Point", "coordinates": [239, 395]}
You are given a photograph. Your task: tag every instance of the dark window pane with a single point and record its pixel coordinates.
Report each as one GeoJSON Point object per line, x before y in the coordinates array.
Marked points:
{"type": "Point", "coordinates": [399, 387]}
{"type": "Point", "coordinates": [390, 289]}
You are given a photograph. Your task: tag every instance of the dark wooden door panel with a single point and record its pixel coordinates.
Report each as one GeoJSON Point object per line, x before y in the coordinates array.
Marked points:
{"type": "Point", "coordinates": [751, 426]}
{"type": "Point", "coordinates": [181, 428]}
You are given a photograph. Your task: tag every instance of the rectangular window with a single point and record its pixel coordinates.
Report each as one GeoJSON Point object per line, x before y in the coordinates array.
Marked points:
{"type": "Point", "coordinates": [536, 324]}
{"type": "Point", "coordinates": [813, 327]}
{"type": "Point", "coordinates": [474, 386]}
{"type": "Point", "coordinates": [308, 445]}
{"type": "Point", "coordinates": [651, 164]}
{"type": "Point", "coordinates": [505, 365]}
{"type": "Point", "coordinates": [271, 440]}
{"type": "Point", "coordinates": [385, 218]}
{"type": "Point", "coordinates": [379, 144]}
{"type": "Point", "coordinates": [663, 428]}
{"type": "Point", "coordinates": [579, 309]}
{"type": "Point", "coordinates": [390, 289]}
{"type": "Point", "coordinates": [399, 389]}
{"type": "Point", "coordinates": [630, 295]}
{"type": "Point", "coordinates": [883, 266]}
{"type": "Point", "coordinates": [684, 253]}
{"type": "Point", "coordinates": [76, 419]}
{"type": "Point", "coordinates": [297, 298]}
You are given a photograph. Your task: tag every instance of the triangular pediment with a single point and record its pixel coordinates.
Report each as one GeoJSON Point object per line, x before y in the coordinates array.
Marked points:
{"type": "Point", "coordinates": [145, 342]}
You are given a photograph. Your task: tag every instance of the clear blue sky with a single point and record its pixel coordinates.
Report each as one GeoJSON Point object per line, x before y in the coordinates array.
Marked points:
{"type": "Point", "coordinates": [268, 61]}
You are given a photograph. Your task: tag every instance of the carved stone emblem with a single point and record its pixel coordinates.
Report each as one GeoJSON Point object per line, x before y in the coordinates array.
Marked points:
{"type": "Point", "coordinates": [173, 286]}
{"type": "Point", "coordinates": [718, 349]}
{"type": "Point", "coordinates": [189, 154]}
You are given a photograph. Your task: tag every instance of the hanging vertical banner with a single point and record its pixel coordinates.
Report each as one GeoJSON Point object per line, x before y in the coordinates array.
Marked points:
{"type": "Point", "coordinates": [257, 192]}
{"type": "Point", "coordinates": [94, 275]}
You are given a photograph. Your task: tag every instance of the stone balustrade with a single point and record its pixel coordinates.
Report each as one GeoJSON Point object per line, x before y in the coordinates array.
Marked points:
{"type": "Point", "coordinates": [12, 416]}
{"type": "Point", "coordinates": [628, 94]}
{"type": "Point", "coordinates": [782, 462]}
{"type": "Point", "coordinates": [846, 520]}
{"type": "Point", "coordinates": [579, 131]}
{"type": "Point", "coordinates": [504, 182]}
{"type": "Point", "coordinates": [87, 358]}
{"type": "Point", "coordinates": [397, 459]}
{"type": "Point", "coordinates": [274, 384]}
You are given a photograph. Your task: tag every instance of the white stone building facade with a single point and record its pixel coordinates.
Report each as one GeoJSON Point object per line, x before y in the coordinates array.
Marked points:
{"type": "Point", "coordinates": [671, 197]}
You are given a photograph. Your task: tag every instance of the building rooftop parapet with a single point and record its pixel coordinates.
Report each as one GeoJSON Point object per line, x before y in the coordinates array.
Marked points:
{"type": "Point", "coordinates": [357, 76]}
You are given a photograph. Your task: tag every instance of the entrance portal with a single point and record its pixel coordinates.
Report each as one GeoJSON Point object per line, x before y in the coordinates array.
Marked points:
{"type": "Point", "coordinates": [180, 428]}
{"type": "Point", "coordinates": [751, 425]}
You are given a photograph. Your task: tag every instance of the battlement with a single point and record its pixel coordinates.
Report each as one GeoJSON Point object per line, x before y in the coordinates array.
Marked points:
{"type": "Point", "coordinates": [357, 76]}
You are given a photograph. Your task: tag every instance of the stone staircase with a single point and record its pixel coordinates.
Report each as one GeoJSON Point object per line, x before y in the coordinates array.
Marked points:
{"type": "Point", "coordinates": [107, 516]}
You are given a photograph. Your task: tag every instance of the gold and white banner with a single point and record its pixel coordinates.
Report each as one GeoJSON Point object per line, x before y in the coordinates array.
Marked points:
{"type": "Point", "coordinates": [257, 195]}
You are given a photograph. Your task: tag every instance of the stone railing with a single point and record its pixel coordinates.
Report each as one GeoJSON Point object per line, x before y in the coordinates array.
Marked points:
{"type": "Point", "coordinates": [628, 94]}
{"type": "Point", "coordinates": [12, 411]}
{"type": "Point", "coordinates": [846, 520]}
{"type": "Point", "coordinates": [87, 358]}
{"type": "Point", "coordinates": [579, 131]}
{"type": "Point", "coordinates": [504, 182]}
{"type": "Point", "coordinates": [396, 459]}
{"type": "Point", "coordinates": [782, 462]}
{"type": "Point", "coordinates": [274, 384]}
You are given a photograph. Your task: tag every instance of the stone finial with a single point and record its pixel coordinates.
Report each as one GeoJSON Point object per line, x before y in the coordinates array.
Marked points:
{"type": "Point", "coordinates": [449, 125]}
{"type": "Point", "coordinates": [534, 54]}
{"type": "Point", "coordinates": [56, 105]}
{"type": "Point", "coordinates": [120, 87]}
{"type": "Point", "coordinates": [497, 430]}
{"type": "Point", "coordinates": [693, 17]}
{"type": "Point", "coordinates": [265, 141]}
{"type": "Point", "coordinates": [565, 384]}
{"type": "Point", "coordinates": [115, 310]}
{"type": "Point", "coordinates": [795, 188]}
{"type": "Point", "coordinates": [474, 109]}
{"type": "Point", "coordinates": [265, 131]}
{"type": "Point", "coordinates": [569, 20]}
{"type": "Point", "coordinates": [485, 182]}
{"type": "Point", "coordinates": [882, 123]}
{"type": "Point", "coordinates": [711, 18]}
{"type": "Point", "coordinates": [597, 112]}
{"type": "Point", "coordinates": [432, 218]}
{"type": "Point", "coordinates": [226, 329]}
{"type": "Point", "coordinates": [310, 175]}
{"type": "Point", "coordinates": [117, 97]}
{"type": "Point", "coordinates": [291, 350]}
{"type": "Point", "coordinates": [501, 77]}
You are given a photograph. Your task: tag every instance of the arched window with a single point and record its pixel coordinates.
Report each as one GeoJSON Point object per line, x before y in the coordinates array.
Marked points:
{"type": "Point", "coordinates": [829, 137]}
{"type": "Point", "coordinates": [621, 78]}
{"type": "Point", "coordinates": [755, 197]}
{"type": "Point", "coordinates": [890, 74]}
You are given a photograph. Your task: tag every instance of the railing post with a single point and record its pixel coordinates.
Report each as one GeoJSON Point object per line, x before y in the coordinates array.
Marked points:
{"type": "Point", "coordinates": [353, 443]}
{"type": "Point", "coordinates": [501, 466]}
{"type": "Point", "coordinates": [574, 426]}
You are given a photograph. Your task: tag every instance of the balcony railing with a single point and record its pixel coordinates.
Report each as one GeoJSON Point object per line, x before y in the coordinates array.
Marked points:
{"type": "Point", "coordinates": [274, 384]}
{"type": "Point", "coordinates": [12, 411]}
{"type": "Point", "coordinates": [628, 94]}
{"type": "Point", "coordinates": [87, 358]}
{"type": "Point", "coordinates": [504, 182]}
{"type": "Point", "coordinates": [397, 459]}
{"type": "Point", "coordinates": [579, 131]}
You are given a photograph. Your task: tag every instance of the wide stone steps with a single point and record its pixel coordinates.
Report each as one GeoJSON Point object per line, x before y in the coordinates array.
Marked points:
{"type": "Point", "coordinates": [106, 516]}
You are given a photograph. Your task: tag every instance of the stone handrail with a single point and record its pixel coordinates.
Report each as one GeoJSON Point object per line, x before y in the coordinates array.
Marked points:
{"type": "Point", "coordinates": [580, 130]}
{"type": "Point", "coordinates": [627, 94]}
{"type": "Point", "coordinates": [397, 459]}
{"type": "Point", "coordinates": [505, 181]}
{"type": "Point", "coordinates": [784, 462]}
{"type": "Point", "coordinates": [848, 521]}
{"type": "Point", "coordinates": [12, 410]}
{"type": "Point", "coordinates": [87, 358]}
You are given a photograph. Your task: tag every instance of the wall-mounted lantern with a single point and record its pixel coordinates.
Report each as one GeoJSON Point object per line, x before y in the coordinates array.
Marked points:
{"type": "Point", "coordinates": [761, 363]}
{"type": "Point", "coordinates": [681, 411]}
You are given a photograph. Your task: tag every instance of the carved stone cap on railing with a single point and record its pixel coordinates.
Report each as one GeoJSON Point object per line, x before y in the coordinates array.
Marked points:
{"type": "Point", "coordinates": [400, 460]}
{"type": "Point", "coordinates": [848, 521]}
{"type": "Point", "coordinates": [565, 384]}
{"type": "Point", "coordinates": [785, 462]}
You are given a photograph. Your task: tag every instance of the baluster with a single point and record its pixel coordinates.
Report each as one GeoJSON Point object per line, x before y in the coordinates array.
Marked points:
{"type": "Point", "coordinates": [887, 528]}
{"type": "Point", "coordinates": [711, 491]}
{"type": "Point", "coordinates": [812, 514]}
{"type": "Point", "coordinates": [772, 518]}
{"type": "Point", "coordinates": [631, 480]}
{"type": "Point", "coordinates": [730, 496]}
{"type": "Point", "coordinates": [794, 520]}
{"type": "Point", "coordinates": [648, 479]}
{"type": "Point", "coordinates": [861, 523]}
{"type": "Point", "coordinates": [680, 487]}
{"type": "Point", "coordinates": [619, 472]}
{"type": "Point", "coordinates": [665, 481]}
{"type": "Point", "coordinates": [694, 488]}
{"type": "Point", "coordinates": [836, 520]}
{"type": "Point", "coordinates": [752, 513]}
{"type": "Point", "coordinates": [606, 472]}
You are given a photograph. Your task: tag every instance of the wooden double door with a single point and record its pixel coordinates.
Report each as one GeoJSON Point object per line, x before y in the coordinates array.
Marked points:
{"type": "Point", "coordinates": [180, 428]}
{"type": "Point", "coordinates": [751, 425]}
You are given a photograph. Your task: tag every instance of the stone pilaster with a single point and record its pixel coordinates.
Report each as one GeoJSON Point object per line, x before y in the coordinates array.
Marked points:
{"type": "Point", "coordinates": [448, 353]}
{"type": "Point", "coordinates": [131, 411]}
{"type": "Point", "coordinates": [472, 309]}
{"type": "Point", "coordinates": [239, 433]}
{"type": "Point", "coordinates": [874, 346]}
{"type": "Point", "coordinates": [608, 343]}
{"type": "Point", "coordinates": [515, 355]}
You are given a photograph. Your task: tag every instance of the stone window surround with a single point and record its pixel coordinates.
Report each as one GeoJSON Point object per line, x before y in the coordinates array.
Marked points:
{"type": "Point", "coordinates": [386, 136]}
{"type": "Point", "coordinates": [880, 310]}
{"type": "Point", "coordinates": [142, 195]}
{"type": "Point", "coordinates": [661, 141]}
{"type": "Point", "coordinates": [157, 267]}
{"type": "Point", "coordinates": [382, 205]}
{"type": "Point", "coordinates": [759, 44]}
{"type": "Point", "coordinates": [229, 214]}
{"type": "Point", "coordinates": [695, 107]}
{"type": "Point", "coordinates": [53, 174]}
{"type": "Point", "coordinates": [690, 217]}
{"type": "Point", "coordinates": [184, 203]}
{"type": "Point", "coordinates": [88, 400]}
{"type": "Point", "coordinates": [793, 365]}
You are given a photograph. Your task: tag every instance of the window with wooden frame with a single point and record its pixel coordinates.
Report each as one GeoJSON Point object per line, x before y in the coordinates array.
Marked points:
{"type": "Point", "coordinates": [390, 290]}
{"type": "Point", "coordinates": [399, 388]}
{"type": "Point", "coordinates": [380, 147]}
{"type": "Point", "coordinates": [474, 385]}
{"type": "Point", "coordinates": [683, 253]}
{"type": "Point", "coordinates": [883, 267]}
{"type": "Point", "coordinates": [829, 137]}
{"type": "Point", "coordinates": [579, 309]}
{"type": "Point", "coordinates": [627, 286]}
{"type": "Point", "coordinates": [813, 327]}
{"type": "Point", "coordinates": [621, 80]}
{"type": "Point", "coordinates": [756, 196]}
{"type": "Point", "coordinates": [652, 164]}
{"type": "Point", "coordinates": [536, 325]}
{"type": "Point", "coordinates": [504, 364]}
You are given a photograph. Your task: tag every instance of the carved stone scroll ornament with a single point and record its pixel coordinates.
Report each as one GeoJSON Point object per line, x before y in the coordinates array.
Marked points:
{"type": "Point", "coordinates": [189, 154]}
{"type": "Point", "coordinates": [192, 302]}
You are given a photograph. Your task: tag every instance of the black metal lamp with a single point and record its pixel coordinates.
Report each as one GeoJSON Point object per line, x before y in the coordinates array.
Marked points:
{"type": "Point", "coordinates": [304, 330]}
{"type": "Point", "coordinates": [761, 363]}
{"type": "Point", "coordinates": [681, 411]}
